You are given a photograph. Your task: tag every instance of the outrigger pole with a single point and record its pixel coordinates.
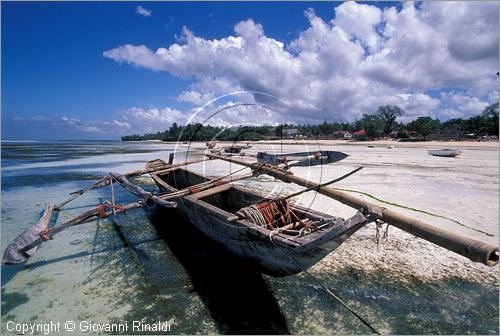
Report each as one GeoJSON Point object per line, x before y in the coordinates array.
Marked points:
{"type": "Point", "coordinates": [106, 180]}
{"type": "Point", "coordinates": [26, 244]}
{"type": "Point", "coordinates": [470, 248]}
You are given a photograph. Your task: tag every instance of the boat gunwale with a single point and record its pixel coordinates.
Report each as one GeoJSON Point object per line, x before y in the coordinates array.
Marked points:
{"type": "Point", "coordinates": [277, 237]}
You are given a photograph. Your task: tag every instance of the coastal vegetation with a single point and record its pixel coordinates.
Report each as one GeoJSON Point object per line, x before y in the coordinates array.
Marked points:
{"type": "Point", "coordinates": [383, 123]}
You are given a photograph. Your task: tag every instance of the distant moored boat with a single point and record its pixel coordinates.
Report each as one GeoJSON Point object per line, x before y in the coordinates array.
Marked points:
{"type": "Point", "coordinates": [446, 152]}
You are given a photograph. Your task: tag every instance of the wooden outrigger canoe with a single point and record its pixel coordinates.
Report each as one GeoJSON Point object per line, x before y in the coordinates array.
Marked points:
{"type": "Point", "coordinates": [301, 158]}
{"type": "Point", "coordinates": [300, 238]}
{"type": "Point", "coordinates": [305, 239]}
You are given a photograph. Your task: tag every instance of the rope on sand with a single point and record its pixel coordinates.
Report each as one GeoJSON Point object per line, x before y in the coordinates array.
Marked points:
{"type": "Point", "coordinates": [413, 209]}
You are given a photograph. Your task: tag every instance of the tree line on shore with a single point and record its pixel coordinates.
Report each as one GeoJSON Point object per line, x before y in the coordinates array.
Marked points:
{"type": "Point", "coordinates": [380, 124]}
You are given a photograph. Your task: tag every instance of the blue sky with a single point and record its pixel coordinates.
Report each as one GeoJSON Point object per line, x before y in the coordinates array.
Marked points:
{"type": "Point", "coordinates": [94, 70]}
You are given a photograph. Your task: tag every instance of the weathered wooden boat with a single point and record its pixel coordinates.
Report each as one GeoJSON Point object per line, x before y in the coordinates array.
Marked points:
{"type": "Point", "coordinates": [279, 248]}
{"type": "Point", "coordinates": [301, 158]}
{"type": "Point", "coordinates": [233, 149]}
{"type": "Point", "coordinates": [280, 237]}
{"type": "Point", "coordinates": [445, 152]}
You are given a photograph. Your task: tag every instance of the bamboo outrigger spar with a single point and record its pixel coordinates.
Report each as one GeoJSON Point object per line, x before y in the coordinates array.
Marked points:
{"type": "Point", "coordinates": [470, 248]}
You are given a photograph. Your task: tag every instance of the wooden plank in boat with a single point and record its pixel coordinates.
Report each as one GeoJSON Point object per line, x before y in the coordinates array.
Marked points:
{"type": "Point", "coordinates": [212, 191]}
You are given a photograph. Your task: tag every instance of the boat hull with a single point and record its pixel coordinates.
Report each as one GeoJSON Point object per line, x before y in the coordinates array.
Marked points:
{"type": "Point", "coordinates": [302, 158]}
{"type": "Point", "coordinates": [274, 254]}
{"type": "Point", "coordinates": [271, 259]}
{"type": "Point", "coordinates": [449, 152]}
{"type": "Point", "coordinates": [233, 149]}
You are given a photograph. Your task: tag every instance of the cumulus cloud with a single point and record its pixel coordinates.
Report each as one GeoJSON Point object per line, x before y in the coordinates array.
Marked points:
{"type": "Point", "coordinates": [151, 120]}
{"type": "Point", "coordinates": [459, 105]}
{"type": "Point", "coordinates": [339, 69]}
{"type": "Point", "coordinates": [80, 126]}
{"type": "Point", "coordinates": [360, 21]}
{"type": "Point", "coordinates": [142, 11]}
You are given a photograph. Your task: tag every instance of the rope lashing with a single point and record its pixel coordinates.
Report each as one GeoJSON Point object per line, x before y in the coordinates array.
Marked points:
{"type": "Point", "coordinates": [44, 234]}
{"type": "Point", "coordinates": [101, 211]}
{"type": "Point", "coordinates": [258, 166]}
{"type": "Point", "coordinates": [101, 208]}
{"type": "Point", "coordinates": [378, 236]}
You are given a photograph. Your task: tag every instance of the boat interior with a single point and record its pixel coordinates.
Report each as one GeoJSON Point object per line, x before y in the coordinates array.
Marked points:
{"type": "Point", "coordinates": [232, 199]}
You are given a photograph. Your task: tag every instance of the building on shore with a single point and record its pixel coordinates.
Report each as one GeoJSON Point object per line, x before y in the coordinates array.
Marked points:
{"type": "Point", "coordinates": [342, 135]}
{"type": "Point", "coordinates": [359, 135]}
{"type": "Point", "coordinates": [290, 133]}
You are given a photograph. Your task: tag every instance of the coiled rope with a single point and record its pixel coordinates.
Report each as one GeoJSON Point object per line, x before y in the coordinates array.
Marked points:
{"type": "Point", "coordinates": [276, 213]}
{"type": "Point", "coordinates": [269, 214]}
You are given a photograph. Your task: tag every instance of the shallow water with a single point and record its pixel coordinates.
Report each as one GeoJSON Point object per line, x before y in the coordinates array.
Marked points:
{"type": "Point", "coordinates": [156, 267]}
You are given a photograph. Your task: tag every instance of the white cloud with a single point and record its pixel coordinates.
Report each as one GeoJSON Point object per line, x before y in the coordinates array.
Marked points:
{"type": "Point", "coordinates": [142, 11]}
{"type": "Point", "coordinates": [121, 124]}
{"type": "Point", "coordinates": [460, 105]}
{"type": "Point", "coordinates": [360, 21]}
{"type": "Point", "coordinates": [80, 126]}
{"type": "Point", "coordinates": [415, 105]}
{"type": "Point", "coordinates": [99, 127]}
{"type": "Point", "coordinates": [469, 30]}
{"type": "Point", "coordinates": [151, 120]}
{"type": "Point", "coordinates": [40, 118]}
{"type": "Point", "coordinates": [231, 114]}
{"type": "Point", "coordinates": [339, 69]}
{"type": "Point", "coordinates": [207, 89]}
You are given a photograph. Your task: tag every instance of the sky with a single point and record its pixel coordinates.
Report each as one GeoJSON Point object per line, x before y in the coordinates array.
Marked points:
{"type": "Point", "coordinates": [100, 70]}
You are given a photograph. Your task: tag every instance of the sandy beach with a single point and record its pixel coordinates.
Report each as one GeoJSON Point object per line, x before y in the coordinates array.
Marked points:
{"type": "Point", "coordinates": [418, 144]}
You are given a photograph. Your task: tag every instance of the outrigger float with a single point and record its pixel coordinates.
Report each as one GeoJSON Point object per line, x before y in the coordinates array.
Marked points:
{"type": "Point", "coordinates": [281, 237]}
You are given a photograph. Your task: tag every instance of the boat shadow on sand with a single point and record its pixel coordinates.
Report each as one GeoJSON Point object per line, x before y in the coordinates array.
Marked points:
{"type": "Point", "coordinates": [235, 293]}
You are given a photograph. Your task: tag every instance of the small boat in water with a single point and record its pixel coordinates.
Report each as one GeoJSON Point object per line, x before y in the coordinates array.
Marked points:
{"type": "Point", "coordinates": [446, 152]}
{"type": "Point", "coordinates": [293, 239]}
{"type": "Point", "coordinates": [233, 149]}
{"type": "Point", "coordinates": [301, 158]}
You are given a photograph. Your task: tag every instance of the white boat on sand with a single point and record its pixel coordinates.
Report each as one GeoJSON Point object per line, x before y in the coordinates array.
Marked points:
{"type": "Point", "coordinates": [446, 152]}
